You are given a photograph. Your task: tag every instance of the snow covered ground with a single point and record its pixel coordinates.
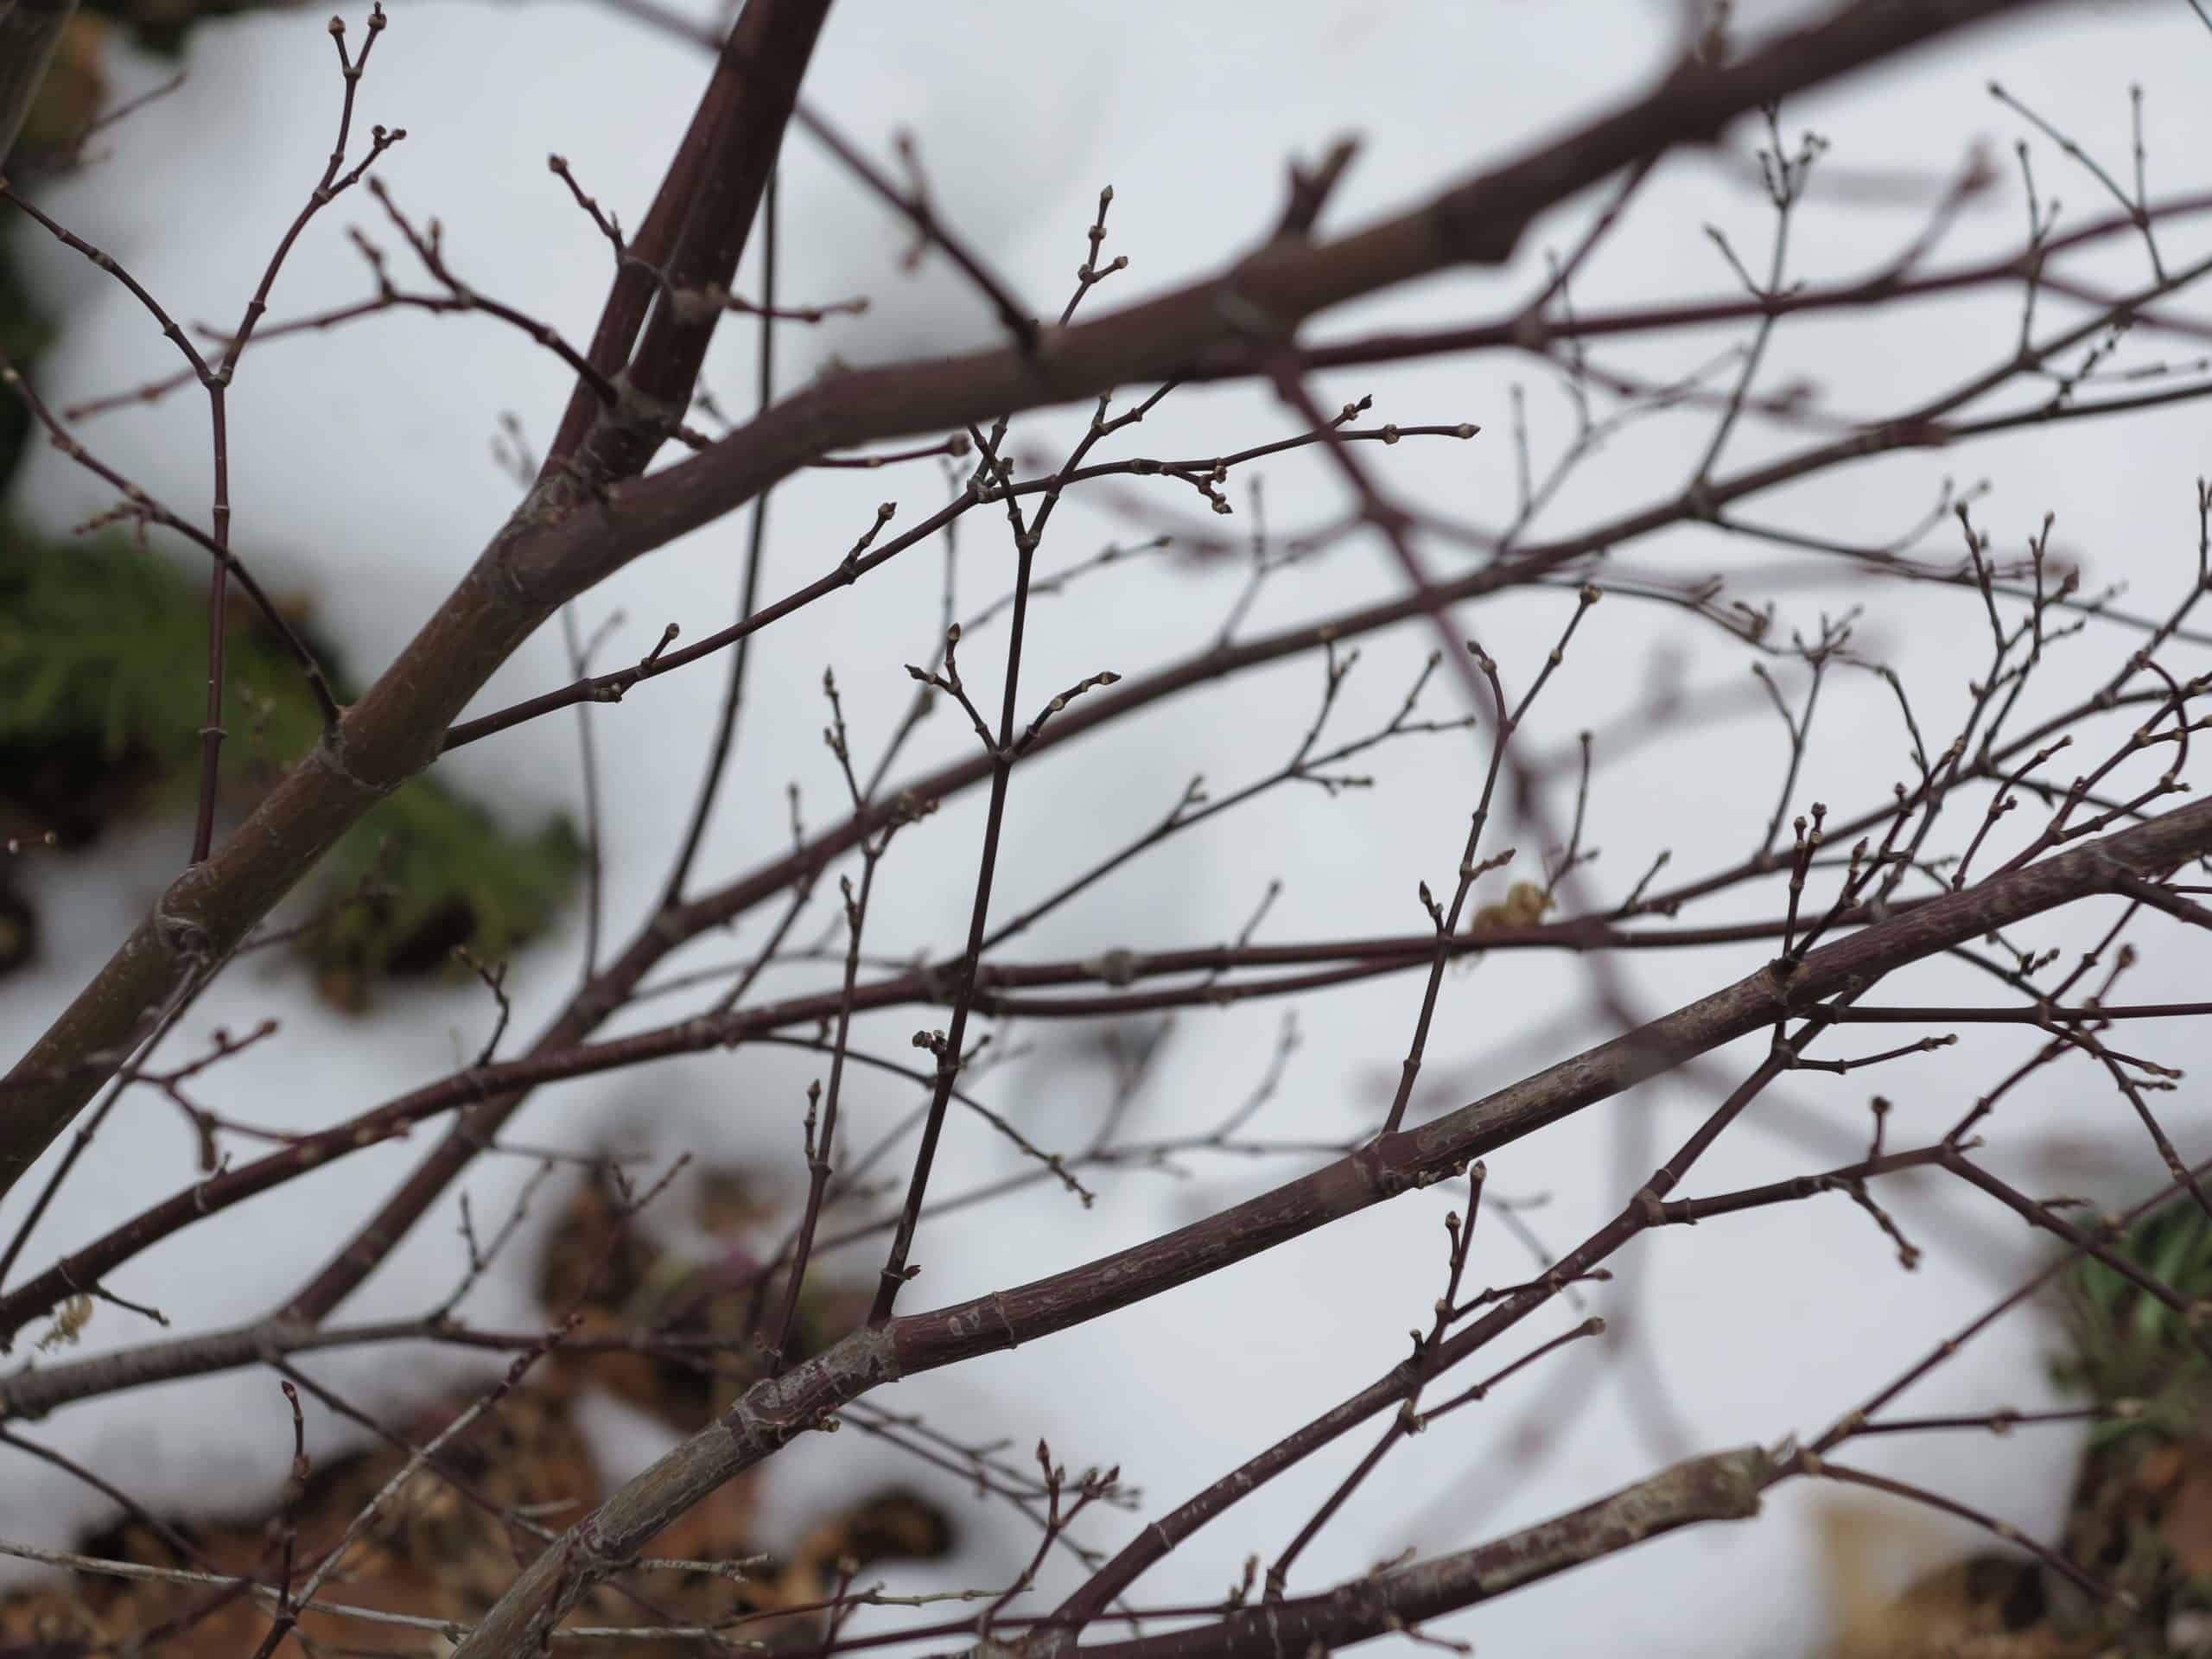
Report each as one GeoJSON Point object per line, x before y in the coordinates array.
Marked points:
{"type": "Point", "coordinates": [361, 463]}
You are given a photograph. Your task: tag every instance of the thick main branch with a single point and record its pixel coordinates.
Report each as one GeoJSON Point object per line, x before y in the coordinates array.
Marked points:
{"type": "Point", "coordinates": [771, 1414]}
{"type": "Point", "coordinates": [397, 728]}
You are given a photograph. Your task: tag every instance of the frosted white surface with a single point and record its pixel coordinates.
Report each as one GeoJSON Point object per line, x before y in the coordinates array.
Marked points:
{"type": "Point", "coordinates": [362, 475]}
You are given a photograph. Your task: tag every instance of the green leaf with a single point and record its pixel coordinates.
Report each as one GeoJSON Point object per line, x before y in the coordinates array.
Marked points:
{"type": "Point", "coordinates": [102, 672]}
